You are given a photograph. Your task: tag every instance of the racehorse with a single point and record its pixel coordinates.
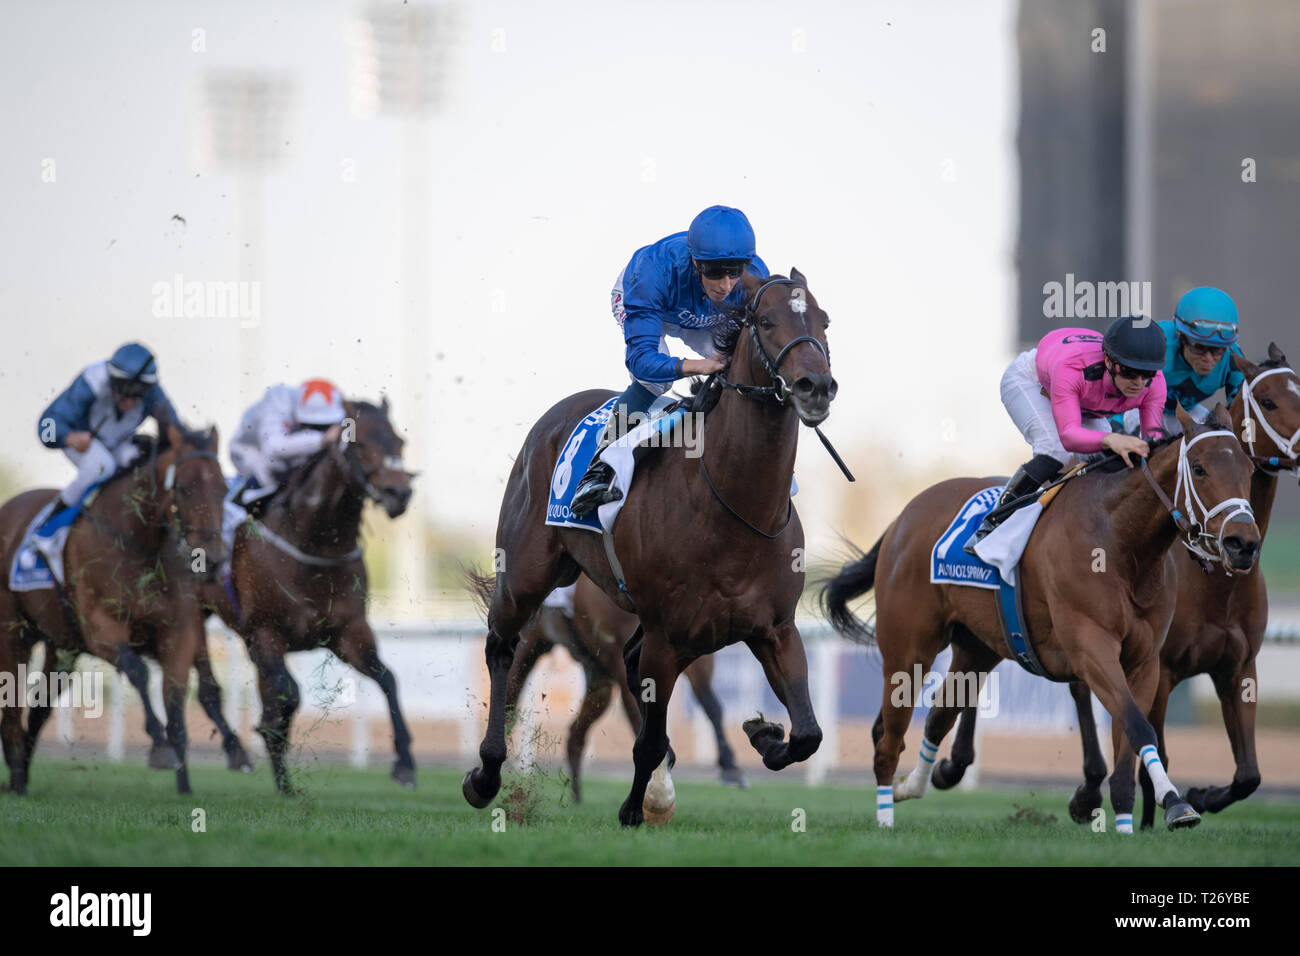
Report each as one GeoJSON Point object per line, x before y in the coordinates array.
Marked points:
{"type": "Point", "coordinates": [595, 637]}
{"type": "Point", "coordinates": [707, 545]}
{"type": "Point", "coordinates": [1102, 627]}
{"type": "Point", "coordinates": [299, 581]}
{"type": "Point", "coordinates": [130, 564]}
{"type": "Point", "coordinates": [1218, 624]}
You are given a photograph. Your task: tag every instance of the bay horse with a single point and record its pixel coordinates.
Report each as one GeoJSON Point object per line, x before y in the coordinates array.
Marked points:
{"type": "Point", "coordinates": [130, 562]}
{"type": "Point", "coordinates": [1218, 624]}
{"type": "Point", "coordinates": [595, 637]}
{"type": "Point", "coordinates": [1101, 624]}
{"type": "Point", "coordinates": [708, 545]}
{"type": "Point", "coordinates": [300, 583]}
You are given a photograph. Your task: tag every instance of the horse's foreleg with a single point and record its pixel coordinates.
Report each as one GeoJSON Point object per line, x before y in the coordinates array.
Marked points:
{"type": "Point", "coordinates": [176, 676]}
{"type": "Point", "coordinates": [11, 714]}
{"type": "Point", "coordinates": [280, 696]}
{"type": "Point", "coordinates": [1132, 732]}
{"type": "Point", "coordinates": [1239, 721]}
{"type": "Point", "coordinates": [700, 674]}
{"type": "Point", "coordinates": [162, 756]}
{"type": "Point", "coordinates": [652, 671]}
{"type": "Point", "coordinates": [356, 645]}
{"type": "Point", "coordinates": [1087, 797]}
{"type": "Point", "coordinates": [237, 757]}
{"type": "Point", "coordinates": [1156, 715]}
{"type": "Point", "coordinates": [782, 655]}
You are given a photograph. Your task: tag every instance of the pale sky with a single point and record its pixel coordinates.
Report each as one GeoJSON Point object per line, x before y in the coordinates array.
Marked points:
{"type": "Point", "coordinates": [872, 145]}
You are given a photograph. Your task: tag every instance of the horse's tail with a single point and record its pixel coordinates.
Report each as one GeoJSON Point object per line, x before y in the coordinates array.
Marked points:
{"type": "Point", "coordinates": [854, 580]}
{"type": "Point", "coordinates": [481, 588]}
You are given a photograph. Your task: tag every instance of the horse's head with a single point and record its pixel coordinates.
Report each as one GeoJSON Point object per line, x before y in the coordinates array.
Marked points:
{"type": "Point", "coordinates": [1213, 489]}
{"type": "Point", "coordinates": [1266, 413]}
{"type": "Point", "coordinates": [786, 345]}
{"type": "Point", "coordinates": [190, 491]}
{"type": "Point", "coordinates": [375, 453]}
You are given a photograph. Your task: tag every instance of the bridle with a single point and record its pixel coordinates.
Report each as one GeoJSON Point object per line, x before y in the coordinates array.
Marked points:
{"type": "Point", "coordinates": [360, 475]}
{"type": "Point", "coordinates": [1252, 412]}
{"type": "Point", "coordinates": [1194, 517]}
{"type": "Point", "coordinates": [778, 390]}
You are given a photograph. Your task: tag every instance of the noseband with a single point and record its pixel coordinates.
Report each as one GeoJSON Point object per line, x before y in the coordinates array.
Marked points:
{"type": "Point", "coordinates": [778, 390]}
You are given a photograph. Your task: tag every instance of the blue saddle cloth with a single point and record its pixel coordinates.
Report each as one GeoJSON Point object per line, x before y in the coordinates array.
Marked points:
{"type": "Point", "coordinates": [950, 564]}
{"type": "Point", "coordinates": [572, 464]}
{"type": "Point", "coordinates": [31, 570]}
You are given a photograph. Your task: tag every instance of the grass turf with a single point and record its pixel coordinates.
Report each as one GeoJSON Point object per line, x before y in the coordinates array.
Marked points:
{"type": "Point", "coordinates": [87, 814]}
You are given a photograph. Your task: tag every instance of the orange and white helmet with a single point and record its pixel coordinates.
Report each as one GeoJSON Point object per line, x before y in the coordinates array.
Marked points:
{"type": "Point", "coordinates": [319, 403]}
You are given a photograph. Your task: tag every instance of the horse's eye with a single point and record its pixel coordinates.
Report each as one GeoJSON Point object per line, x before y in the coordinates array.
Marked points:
{"type": "Point", "coordinates": [764, 323]}
{"type": "Point", "coordinates": [1197, 470]}
{"type": "Point", "coordinates": [1268, 404]}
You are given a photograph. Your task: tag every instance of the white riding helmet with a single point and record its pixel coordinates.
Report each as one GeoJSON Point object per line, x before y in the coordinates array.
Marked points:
{"type": "Point", "coordinates": [319, 403]}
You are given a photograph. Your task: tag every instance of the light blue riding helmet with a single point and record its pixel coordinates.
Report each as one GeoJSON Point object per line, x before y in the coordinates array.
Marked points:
{"type": "Point", "coordinates": [1207, 316]}
{"type": "Point", "coordinates": [720, 232]}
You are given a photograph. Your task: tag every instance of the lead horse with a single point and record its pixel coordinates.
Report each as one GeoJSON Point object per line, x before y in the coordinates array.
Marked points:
{"type": "Point", "coordinates": [708, 545]}
{"type": "Point", "coordinates": [1218, 625]}
{"type": "Point", "coordinates": [1103, 628]}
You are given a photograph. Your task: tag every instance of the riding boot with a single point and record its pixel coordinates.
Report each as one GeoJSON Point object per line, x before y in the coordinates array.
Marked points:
{"type": "Point", "coordinates": [1027, 479]}
{"type": "Point", "coordinates": [596, 487]}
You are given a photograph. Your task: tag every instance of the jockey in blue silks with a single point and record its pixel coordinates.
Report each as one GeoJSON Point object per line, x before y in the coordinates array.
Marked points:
{"type": "Point", "coordinates": [1201, 339]}
{"type": "Point", "coordinates": [680, 286]}
{"type": "Point", "coordinates": [96, 416]}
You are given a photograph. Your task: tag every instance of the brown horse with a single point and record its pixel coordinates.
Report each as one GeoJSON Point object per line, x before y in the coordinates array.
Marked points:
{"type": "Point", "coordinates": [1218, 624]}
{"type": "Point", "coordinates": [595, 637]}
{"type": "Point", "coordinates": [1102, 624]}
{"type": "Point", "coordinates": [708, 544]}
{"type": "Point", "coordinates": [300, 582]}
{"type": "Point", "coordinates": [130, 563]}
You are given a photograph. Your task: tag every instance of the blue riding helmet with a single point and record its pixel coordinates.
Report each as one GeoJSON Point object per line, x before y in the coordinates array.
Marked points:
{"type": "Point", "coordinates": [133, 363]}
{"type": "Point", "coordinates": [1207, 316]}
{"type": "Point", "coordinates": [720, 232]}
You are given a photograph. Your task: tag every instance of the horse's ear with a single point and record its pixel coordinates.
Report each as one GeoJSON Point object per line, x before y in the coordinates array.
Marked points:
{"type": "Point", "coordinates": [383, 404]}
{"type": "Point", "coordinates": [1242, 364]}
{"type": "Point", "coordinates": [1220, 416]}
{"type": "Point", "coordinates": [1275, 353]}
{"type": "Point", "coordinates": [797, 276]}
{"type": "Point", "coordinates": [1187, 421]}
{"type": "Point", "coordinates": [174, 436]}
{"type": "Point", "coordinates": [214, 440]}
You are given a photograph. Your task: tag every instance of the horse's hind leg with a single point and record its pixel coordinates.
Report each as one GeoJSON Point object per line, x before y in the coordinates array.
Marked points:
{"type": "Point", "coordinates": [162, 756]}
{"type": "Point", "coordinates": [969, 658]}
{"type": "Point", "coordinates": [1087, 798]}
{"type": "Point", "coordinates": [11, 712]}
{"type": "Point", "coordinates": [357, 646]}
{"type": "Point", "coordinates": [600, 691]}
{"type": "Point", "coordinates": [515, 599]}
{"type": "Point", "coordinates": [782, 655]}
{"type": "Point", "coordinates": [237, 757]}
{"type": "Point", "coordinates": [700, 674]}
{"type": "Point", "coordinates": [1239, 721]}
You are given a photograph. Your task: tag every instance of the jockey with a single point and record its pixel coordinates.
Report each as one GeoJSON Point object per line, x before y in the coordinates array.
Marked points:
{"type": "Point", "coordinates": [286, 426]}
{"type": "Point", "coordinates": [1201, 340]}
{"type": "Point", "coordinates": [96, 416]}
{"type": "Point", "coordinates": [1061, 393]}
{"type": "Point", "coordinates": [680, 286]}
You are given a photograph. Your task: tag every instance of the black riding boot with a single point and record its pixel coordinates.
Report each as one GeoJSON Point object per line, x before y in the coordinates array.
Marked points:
{"type": "Point", "coordinates": [596, 487]}
{"type": "Point", "coordinates": [1028, 478]}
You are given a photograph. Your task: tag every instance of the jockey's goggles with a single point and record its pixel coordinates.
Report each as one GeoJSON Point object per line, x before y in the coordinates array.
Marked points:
{"type": "Point", "coordinates": [125, 388]}
{"type": "Point", "coordinates": [1212, 329]}
{"type": "Point", "coordinates": [722, 268]}
{"type": "Point", "coordinates": [1123, 371]}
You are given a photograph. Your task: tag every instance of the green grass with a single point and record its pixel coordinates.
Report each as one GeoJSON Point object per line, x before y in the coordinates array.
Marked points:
{"type": "Point", "coordinates": [86, 814]}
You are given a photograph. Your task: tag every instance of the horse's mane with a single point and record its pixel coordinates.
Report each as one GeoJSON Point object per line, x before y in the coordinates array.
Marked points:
{"type": "Point", "coordinates": [727, 334]}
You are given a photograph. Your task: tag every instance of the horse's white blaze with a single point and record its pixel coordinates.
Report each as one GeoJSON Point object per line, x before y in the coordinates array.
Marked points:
{"type": "Point", "coordinates": [660, 802]}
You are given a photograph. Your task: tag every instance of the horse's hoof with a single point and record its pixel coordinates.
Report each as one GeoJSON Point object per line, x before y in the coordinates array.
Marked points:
{"type": "Point", "coordinates": [734, 777]}
{"type": "Point", "coordinates": [239, 760]}
{"type": "Point", "coordinates": [757, 729]}
{"type": "Point", "coordinates": [405, 775]}
{"type": "Point", "coordinates": [1083, 803]}
{"type": "Point", "coordinates": [658, 816]}
{"type": "Point", "coordinates": [946, 774]}
{"type": "Point", "coordinates": [630, 815]}
{"type": "Point", "coordinates": [1179, 815]}
{"type": "Point", "coordinates": [477, 799]}
{"type": "Point", "coordinates": [163, 758]}
{"type": "Point", "coordinates": [1196, 798]}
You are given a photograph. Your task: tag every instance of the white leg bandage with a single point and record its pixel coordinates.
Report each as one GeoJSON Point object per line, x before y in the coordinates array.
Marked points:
{"type": "Point", "coordinates": [1150, 758]}
{"type": "Point", "coordinates": [885, 806]}
{"type": "Point", "coordinates": [916, 783]}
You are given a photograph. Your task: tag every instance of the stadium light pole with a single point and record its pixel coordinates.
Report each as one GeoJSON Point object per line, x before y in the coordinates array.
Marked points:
{"type": "Point", "coordinates": [398, 61]}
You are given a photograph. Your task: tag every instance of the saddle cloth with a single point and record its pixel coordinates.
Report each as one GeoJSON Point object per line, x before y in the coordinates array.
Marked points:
{"type": "Point", "coordinates": [38, 562]}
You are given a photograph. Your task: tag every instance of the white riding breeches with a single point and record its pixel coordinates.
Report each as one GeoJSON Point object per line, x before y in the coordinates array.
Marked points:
{"type": "Point", "coordinates": [1031, 410]}
{"type": "Point", "coordinates": [95, 464]}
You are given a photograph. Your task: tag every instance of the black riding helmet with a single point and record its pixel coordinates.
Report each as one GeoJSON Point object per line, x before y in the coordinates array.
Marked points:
{"type": "Point", "coordinates": [1136, 342]}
